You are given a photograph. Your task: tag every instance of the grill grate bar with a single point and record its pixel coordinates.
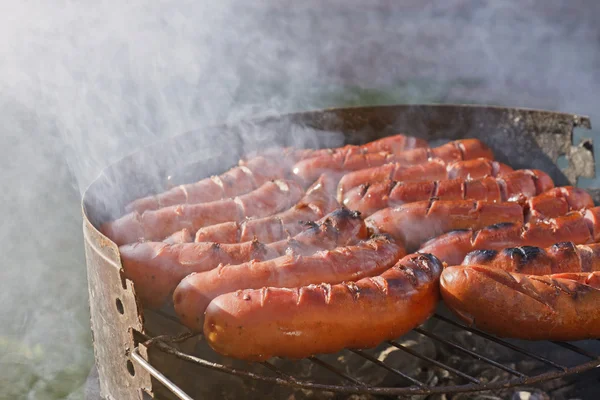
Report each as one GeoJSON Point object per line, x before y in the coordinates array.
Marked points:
{"type": "Point", "coordinates": [336, 371]}
{"type": "Point", "coordinates": [469, 352]}
{"type": "Point", "coordinates": [387, 367]}
{"type": "Point", "coordinates": [502, 342]}
{"type": "Point", "coordinates": [434, 362]}
{"type": "Point", "coordinates": [279, 372]}
{"type": "Point", "coordinates": [576, 349]}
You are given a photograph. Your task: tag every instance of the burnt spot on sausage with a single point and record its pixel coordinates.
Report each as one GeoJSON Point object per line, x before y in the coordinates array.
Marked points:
{"type": "Point", "coordinates": [525, 253]}
{"type": "Point", "coordinates": [434, 190]}
{"type": "Point", "coordinates": [562, 246]}
{"type": "Point", "coordinates": [410, 274]}
{"type": "Point", "coordinates": [500, 226]}
{"type": "Point", "coordinates": [480, 256]}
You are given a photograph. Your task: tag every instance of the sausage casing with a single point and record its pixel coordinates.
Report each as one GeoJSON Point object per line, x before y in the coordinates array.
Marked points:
{"type": "Point", "coordinates": [367, 258]}
{"type": "Point", "coordinates": [257, 324]}
{"type": "Point", "coordinates": [508, 304]}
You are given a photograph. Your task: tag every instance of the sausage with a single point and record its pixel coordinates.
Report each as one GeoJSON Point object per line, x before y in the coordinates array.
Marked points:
{"type": "Point", "coordinates": [367, 258]}
{"type": "Point", "coordinates": [414, 223]}
{"type": "Point", "coordinates": [311, 169]}
{"type": "Point", "coordinates": [317, 202]}
{"type": "Point", "coordinates": [579, 227]}
{"type": "Point", "coordinates": [434, 169]}
{"type": "Point", "coordinates": [251, 174]}
{"type": "Point", "coordinates": [559, 201]}
{"type": "Point", "coordinates": [157, 267]}
{"type": "Point", "coordinates": [532, 307]}
{"type": "Point", "coordinates": [257, 324]}
{"type": "Point", "coordinates": [270, 198]}
{"type": "Point", "coordinates": [514, 186]}
{"type": "Point", "coordinates": [558, 258]}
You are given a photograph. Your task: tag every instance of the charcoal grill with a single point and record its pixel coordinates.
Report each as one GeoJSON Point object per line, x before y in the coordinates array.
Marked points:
{"type": "Point", "coordinates": [141, 353]}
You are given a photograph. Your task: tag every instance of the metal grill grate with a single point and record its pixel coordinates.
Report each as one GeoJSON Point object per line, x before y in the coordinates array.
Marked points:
{"type": "Point", "coordinates": [406, 384]}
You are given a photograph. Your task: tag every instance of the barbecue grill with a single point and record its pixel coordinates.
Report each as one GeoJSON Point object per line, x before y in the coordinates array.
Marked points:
{"type": "Point", "coordinates": [141, 353]}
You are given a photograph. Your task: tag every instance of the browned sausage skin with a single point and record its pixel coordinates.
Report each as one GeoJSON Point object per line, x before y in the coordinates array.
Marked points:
{"type": "Point", "coordinates": [579, 227]}
{"type": "Point", "coordinates": [514, 186]}
{"type": "Point", "coordinates": [251, 174]}
{"type": "Point", "coordinates": [272, 197]}
{"type": "Point", "coordinates": [311, 169]}
{"type": "Point", "coordinates": [157, 267]}
{"type": "Point", "coordinates": [316, 203]}
{"type": "Point", "coordinates": [414, 223]}
{"type": "Point", "coordinates": [558, 258]}
{"type": "Point", "coordinates": [508, 304]}
{"type": "Point", "coordinates": [366, 258]}
{"type": "Point", "coordinates": [257, 324]}
{"type": "Point", "coordinates": [431, 170]}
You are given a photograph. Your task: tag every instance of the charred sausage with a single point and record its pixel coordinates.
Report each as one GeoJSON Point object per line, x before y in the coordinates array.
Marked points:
{"type": "Point", "coordinates": [558, 258]}
{"type": "Point", "coordinates": [414, 223]}
{"type": "Point", "coordinates": [270, 198]}
{"type": "Point", "coordinates": [311, 169]}
{"type": "Point", "coordinates": [316, 203]}
{"type": "Point", "coordinates": [366, 258]}
{"type": "Point", "coordinates": [508, 304]}
{"type": "Point", "coordinates": [157, 267]}
{"type": "Point", "coordinates": [432, 170]}
{"type": "Point", "coordinates": [514, 186]}
{"type": "Point", "coordinates": [579, 227]}
{"type": "Point", "coordinates": [256, 324]}
{"type": "Point", "coordinates": [251, 174]}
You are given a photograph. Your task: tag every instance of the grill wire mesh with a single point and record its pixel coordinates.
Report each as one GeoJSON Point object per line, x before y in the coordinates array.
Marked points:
{"type": "Point", "coordinates": [440, 358]}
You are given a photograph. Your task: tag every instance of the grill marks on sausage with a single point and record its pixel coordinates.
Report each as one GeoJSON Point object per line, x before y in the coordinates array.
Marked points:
{"type": "Point", "coordinates": [366, 258]}
{"type": "Point", "coordinates": [517, 186]}
{"type": "Point", "coordinates": [579, 227]}
{"type": "Point", "coordinates": [322, 318]}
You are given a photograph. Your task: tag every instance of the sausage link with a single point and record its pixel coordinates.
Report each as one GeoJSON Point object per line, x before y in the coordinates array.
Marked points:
{"type": "Point", "coordinates": [257, 324]}
{"type": "Point", "coordinates": [431, 170]}
{"type": "Point", "coordinates": [154, 225]}
{"type": "Point", "coordinates": [414, 223]}
{"type": "Point", "coordinates": [157, 267]}
{"type": "Point", "coordinates": [317, 202]}
{"type": "Point", "coordinates": [508, 304]}
{"type": "Point", "coordinates": [514, 186]}
{"type": "Point", "coordinates": [579, 227]}
{"type": "Point", "coordinates": [311, 169]}
{"type": "Point", "coordinates": [367, 258]}
{"type": "Point", "coordinates": [560, 257]}
{"type": "Point", "coordinates": [559, 201]}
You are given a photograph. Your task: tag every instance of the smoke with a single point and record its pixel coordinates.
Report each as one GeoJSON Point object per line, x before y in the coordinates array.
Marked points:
{"type": "Point", "coordinates": [84, 83]}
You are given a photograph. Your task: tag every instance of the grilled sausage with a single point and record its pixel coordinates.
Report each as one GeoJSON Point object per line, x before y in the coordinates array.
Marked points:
{"type": "Point", "coordinates": [270, 198]}
{"type": "Point", "coordinates": [414, 223]}
{"type": "Point", "coordinates": [318, 201]}
{"type": "Point", "coordinates": [579, 227]}
{"type": "Point", "coordinates": [257, 324]}
{"type": "Point", "coordinates": [251, 174]}
{"type": "Point", "coordinates": [434, 169]}
{"type": "Point", "coordinates": [366, 258]}
{"type": "Point", "coordinates": [156, 267]}
{"type": "Point", "coordinates": [311, 169]}
{"type": "Point", "coordinates": [513, 186]}
{"type": "Point", "coordinates": [558, 258]}
{"type": "Point", "coordinates": [559, 201]}
{"type": "Point", "coordinates": [507, 304]}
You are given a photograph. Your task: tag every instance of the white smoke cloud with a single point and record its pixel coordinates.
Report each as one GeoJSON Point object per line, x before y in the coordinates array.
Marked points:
{"type": "Point", "coordinates": [85, 83]}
